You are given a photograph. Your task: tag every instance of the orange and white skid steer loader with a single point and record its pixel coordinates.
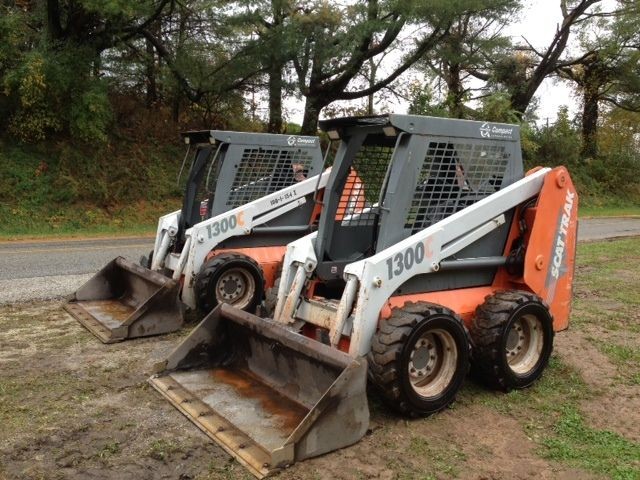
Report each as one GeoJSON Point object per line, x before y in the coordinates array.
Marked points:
{"type": "Point", "coordinates": [247, 195]}
{"type": "Point", "coordinates": [454, 247]}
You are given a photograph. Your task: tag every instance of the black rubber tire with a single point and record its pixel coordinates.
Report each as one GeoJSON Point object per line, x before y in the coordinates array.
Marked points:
{"type": "Point", "coordinates": [214, 268]}
{"type": "Point", "coordinates": [390, 355]}
{"type": "Point", "coordinates": [489, 332]}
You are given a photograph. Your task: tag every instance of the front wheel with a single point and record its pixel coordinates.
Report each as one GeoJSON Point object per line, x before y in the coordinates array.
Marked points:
{"type": "Point", "coordinates": [512, 334]}
{"type": "Point", "coordinates": [419, 358]}
{"type": "Point", "coordinates": [231, 278]}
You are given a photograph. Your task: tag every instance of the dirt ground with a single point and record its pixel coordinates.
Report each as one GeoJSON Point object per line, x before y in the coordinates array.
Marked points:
{"type": "Point", "coordinates": [71, 407]}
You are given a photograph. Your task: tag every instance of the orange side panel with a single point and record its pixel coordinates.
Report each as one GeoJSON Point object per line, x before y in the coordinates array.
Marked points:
{"type": "Point", "coordinates": [269, 258]}
{"type": "Point", "coordinates": [551, 249]}
{"type": "Point", "coordinates": [463, 301]}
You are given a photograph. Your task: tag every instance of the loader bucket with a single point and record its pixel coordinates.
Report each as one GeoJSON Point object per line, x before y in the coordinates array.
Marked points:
{"type": "Point", "coordinates": [125, 300]}
{"type": "Point", "coordinates": [267, 395]}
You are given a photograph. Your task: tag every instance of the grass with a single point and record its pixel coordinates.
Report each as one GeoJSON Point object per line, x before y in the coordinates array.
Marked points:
{"type": "Point", "coordinates": [550, 411]}
{"type": "Point", "coordinates": [625, 358]}
{"type": "Point", "coordinates": [606, 287]}
{"type": "Point", "coordinates": [139, 219]}
{"type": "Point", "coordinates": [121, 189]}
{"type": "Point", "coordinates": [552, 419]}
{"type": "Point", "coordinates": [631, 210]}
{"type": "Point", "coordinates": [599, 451]}
{"type": "Point", "coordinates": [62, 190]}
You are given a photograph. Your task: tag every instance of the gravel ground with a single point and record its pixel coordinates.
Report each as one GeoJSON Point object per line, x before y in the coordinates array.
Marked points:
{"type": "Point", "coordinates": [40, 288]}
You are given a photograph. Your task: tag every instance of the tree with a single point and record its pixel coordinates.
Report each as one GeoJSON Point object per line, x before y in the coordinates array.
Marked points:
{"type": "Point", "coordinates": [608, 69]}
{"type": "Point", "coordinates": [523, 74]}
{"type": "Point", "coordinates": [335, 43]}
{"type": "Point", "coordinates": [468, 53]}
{"type": "Point", "coordinates": [51, 74]}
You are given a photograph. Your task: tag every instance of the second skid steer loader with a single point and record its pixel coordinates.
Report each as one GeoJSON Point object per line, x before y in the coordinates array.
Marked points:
{"type": "Point", "coordinates": [454, 246]}
{"type": "Point", "coordinates": [247, 195]}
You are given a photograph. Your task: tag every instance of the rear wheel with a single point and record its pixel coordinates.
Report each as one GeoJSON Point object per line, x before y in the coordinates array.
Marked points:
{"type": "Point", "coordinates": [230, 278]}
{"type": "Point", "coordinates": [513, 339]}
{"type": "Point", "coordinates": [419, 358]}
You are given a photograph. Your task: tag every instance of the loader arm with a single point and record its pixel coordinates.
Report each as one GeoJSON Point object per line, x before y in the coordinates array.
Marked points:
{"type": "Point", "coordinates": [380, 275]}
{"type": "Point", "coordinates": [167, 230]}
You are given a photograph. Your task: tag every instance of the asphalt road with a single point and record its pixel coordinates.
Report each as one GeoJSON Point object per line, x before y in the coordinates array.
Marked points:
{"type": "Point", "coordinates": [51, 269]}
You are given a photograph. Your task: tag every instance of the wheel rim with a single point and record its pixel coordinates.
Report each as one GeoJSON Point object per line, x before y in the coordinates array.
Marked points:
{"type": "Point", "coordinates": [235, 287]}
{"type": "Point", "coordinates": [525, 340]}
{"type": "Point", "coordinates": [432, 363]}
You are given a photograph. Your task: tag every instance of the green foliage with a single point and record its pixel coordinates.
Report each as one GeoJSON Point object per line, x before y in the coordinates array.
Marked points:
{"type": "Point", "coordinates": [34, 117]}
{"type": "Point", "coordinates": [423, 101]}
{"type": "Point", "coordinates": [52, 91]}
{"type": "Point", "coordinates": [557, 143]}
{"type": "Point", "coordinates": [610, 178]}
{"type": "Point", "coordinates": [91, 114]}
{"type": "Point", "coordinates": [497, 108]}
{"type": "Point", "coordinates": [59, 189]}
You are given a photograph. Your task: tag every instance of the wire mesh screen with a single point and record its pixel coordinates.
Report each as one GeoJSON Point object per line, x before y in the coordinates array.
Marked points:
{"type": "Point", "coordinates": [358, 204]}
{"type": "Point", "coordinates": [454, 176]}
{"type": "Point", "coordinates": [263, 171]}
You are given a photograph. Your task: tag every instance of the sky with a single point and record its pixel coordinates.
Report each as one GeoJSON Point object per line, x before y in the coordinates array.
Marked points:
{"type": "Point", "coordinates": [537, 22]}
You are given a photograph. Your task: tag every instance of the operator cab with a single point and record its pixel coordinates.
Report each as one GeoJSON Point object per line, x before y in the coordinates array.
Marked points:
{"type": "Point", "coordinates": [412, 172]}
{"type": "Point", "coordinates": [230, 169]}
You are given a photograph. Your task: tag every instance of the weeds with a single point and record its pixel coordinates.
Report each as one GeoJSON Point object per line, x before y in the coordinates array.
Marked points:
{"type": "Point", "coordinates": [108, 450]}
{"type": "Point", "coordinates": [443, 459]}
{"type": "Point", "coordinates": [161, 449]}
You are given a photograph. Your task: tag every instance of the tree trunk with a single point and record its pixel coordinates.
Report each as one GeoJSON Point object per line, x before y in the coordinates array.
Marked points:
{"type": "Point", "coordinates": [275, 66]}
{"type": "Point", "coordinates": [54, 26]}
{"type": "Point", "coordinates": [176, 102]}
{"type": "Point", "coordinates": [150, 73]}
{"type": "Point", "coordinates": [590, 120]}
{"type": "Point", "coordinates": [312, 109]}
{"type": "Point", "coordinates": [275, 98]}
{"type": "Point", "coordinates": [373, 70]}
{"type": "Point", "coordinates": [455, 97]}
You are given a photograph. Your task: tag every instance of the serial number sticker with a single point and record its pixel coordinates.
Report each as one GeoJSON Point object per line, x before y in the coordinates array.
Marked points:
{"type": "Point", "coordinates": [223, 226]}
{"type": "Point", "coordinates": [283, 198]}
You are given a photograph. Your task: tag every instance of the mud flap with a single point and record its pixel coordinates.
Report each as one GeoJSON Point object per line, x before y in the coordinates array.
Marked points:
{"type": "Point", "coordinates": [269, 396]}
{"type": "Point", "coordinates": [125, 300]}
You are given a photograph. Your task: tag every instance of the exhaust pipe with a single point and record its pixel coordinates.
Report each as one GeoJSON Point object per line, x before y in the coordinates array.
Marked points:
{"type": "Point", "coordinates": [269, 396]}
{"type": "Point", "coordinates": [125, 300]}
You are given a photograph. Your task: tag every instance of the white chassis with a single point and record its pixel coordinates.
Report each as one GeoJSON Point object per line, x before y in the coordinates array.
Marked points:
{"type": "Point", "coordinates": [372, 281]}
{"type": "Point", "coordinates": [205, 236]}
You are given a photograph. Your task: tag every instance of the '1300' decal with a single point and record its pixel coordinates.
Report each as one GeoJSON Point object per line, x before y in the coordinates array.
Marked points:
{"type": "Point", "coordinates": [226, 224]}
{"type": "Point", "coordinates": [405, 260]}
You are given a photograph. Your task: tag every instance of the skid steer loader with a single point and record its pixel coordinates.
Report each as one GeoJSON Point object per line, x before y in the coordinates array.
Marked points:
{"type": "Point", "coordinates": [247, 195]}
{"type": "Point", "coordinates": [455, 246]}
